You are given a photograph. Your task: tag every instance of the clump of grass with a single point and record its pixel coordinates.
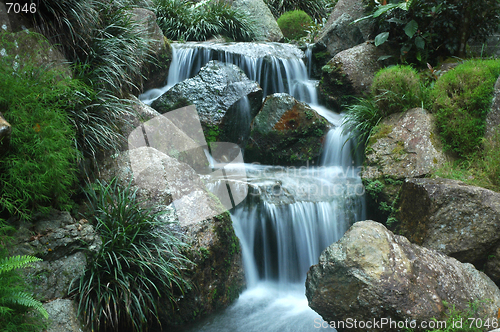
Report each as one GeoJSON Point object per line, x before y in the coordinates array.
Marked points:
{"type": "Point", "coordinates": [183, 20]}
{"type": "Point", "coordinates": [138, 263]}
{"type": "Point", "coordinates": [461, 101]}
{"type": "Point", "coordinates": [361, 119]}
{"type": "Point", "coordinates": [396, 89]}
{"type": "Point", "coordinates": [295, 24]}
{"type": "Point", "coordinates": [317, 9]}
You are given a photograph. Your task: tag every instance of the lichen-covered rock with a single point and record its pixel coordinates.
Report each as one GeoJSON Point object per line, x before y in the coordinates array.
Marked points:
{"type": "Point", "coordinates": [27, 44]}
{"type": "Point", "coordinates": [405, 146]}
{"type": "Point", "coordinates": [493, 117]}
{"type": "Point", "coordinates": [459, 220]}
{"type": "Point", "coordinates": [12, 22]}
{"type": "Point", "coordinates": [60, 241]}
{"type": "Point", "coordinates": [351, 72]}
{"type": "Point", "coordinates": [286, 132]}
{"type": "Point", "coordinates": [370, 272]}
{"type": "Point", "coordinates": [217, 91]}
{"type": "Point", "coordinates": [63, 316]}
{"type": "Point", "coordinates": [161, 51]}
{"type": "Point", "coordinates": [5, 133]}
{"type": "Point", "coordinates": [265, 27]}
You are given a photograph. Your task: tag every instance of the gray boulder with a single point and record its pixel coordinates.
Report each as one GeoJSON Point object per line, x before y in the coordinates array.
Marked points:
{"type": "Point", "coordinates": [351, 72]}
{"type": "Point", "coordinates": [5, 133]}
{"type": "Point", "coordinates": [220, 92]}
{"type": "Point", "coordinates": [405, 146]}
{"type": "Point", "coordinates": [199, 216]}
{"type": "Point", "coordinates": [370, 272]}
{"type": "Point", "coordinates": [265, 27]}
{"type": "Point", "coordinates": [60, 241]}
{"type": "Point", "coordinates": [63, 316]}
{"type": "Point", "coordinates": [286, 132]}
{"type": "Point", "coordinates": [339, 34]}
{"type": "Point", "coordinates": [456, 219]}
{"type": "Point", "coordinates": [155, 73]}
{"type": "Point", "coordinates": [493, 117]}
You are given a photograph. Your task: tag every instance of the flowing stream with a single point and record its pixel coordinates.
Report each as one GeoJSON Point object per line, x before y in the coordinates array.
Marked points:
{"type": "Point", "coordinates": [291, 214]}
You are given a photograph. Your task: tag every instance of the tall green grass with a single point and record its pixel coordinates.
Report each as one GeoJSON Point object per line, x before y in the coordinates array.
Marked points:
{"type": "Point", "coordinates": [138, 264]}
{"type": "Point", "coordinates": [183, 20]}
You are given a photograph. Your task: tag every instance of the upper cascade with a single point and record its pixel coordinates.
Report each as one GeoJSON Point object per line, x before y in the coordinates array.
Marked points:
{"type": "Point", "coordinates": [254, 50]}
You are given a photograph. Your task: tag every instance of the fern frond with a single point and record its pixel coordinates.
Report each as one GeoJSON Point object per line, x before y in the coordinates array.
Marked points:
{"type": "Point", "coordinates": [15, 262]}
{"type": "Point", "coordinates": [24, 299]}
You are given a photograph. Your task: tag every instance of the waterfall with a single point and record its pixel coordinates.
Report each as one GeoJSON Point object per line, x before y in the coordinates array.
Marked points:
{"type": "Point", "coordinates": [291, 214]}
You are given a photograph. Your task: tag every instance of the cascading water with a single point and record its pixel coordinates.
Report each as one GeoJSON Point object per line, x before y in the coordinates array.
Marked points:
{"type": "Point", "coordinates": [291, 214]}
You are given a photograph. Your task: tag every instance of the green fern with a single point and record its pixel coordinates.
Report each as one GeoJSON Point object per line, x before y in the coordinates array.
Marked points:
{"type": "Point", "coordinates": [11, 296]}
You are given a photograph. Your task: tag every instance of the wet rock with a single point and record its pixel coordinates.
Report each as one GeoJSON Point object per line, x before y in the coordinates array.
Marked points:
{"type": "Point", "coordinates": [286, 132]}
{"type": "Point", "coordinates": [161, 51]}
{"type": "Point", "coordinates": [405, 146]}
{"type": "Point", "coordinates": [370, 272]}
{"type": "Point", "coordinates": [493, 117]}
{"type": "Point", "coordinates": [265, 28]}
{"type": "Point", "coordinates": [456, 219]}
{"type": "Point", "coordinates": [226, 101]}
{"type": "Point", "coordinates": [63, 316]}
{"type": "Point", "coordinates": [5, 133]}
{"type": "Point", "coordinates": [351, 72]}
{"type": "Point", "coordinates": [60, 241]}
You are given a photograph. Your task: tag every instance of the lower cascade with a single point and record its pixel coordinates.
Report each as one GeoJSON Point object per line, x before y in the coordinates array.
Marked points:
{"type": "Point", "coordinates": [291, 214]}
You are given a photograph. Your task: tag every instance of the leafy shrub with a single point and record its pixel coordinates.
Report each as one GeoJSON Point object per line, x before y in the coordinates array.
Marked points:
{"type": "Point", "coordinates": [428, 29]}
{"type": "Point", "coordinates": [462, 99]}
{"type": "Point", "coordinates": [139, 261]}
{"type": "Point", "coordinates": [39, 170]}
{"type": "Point", "coordinates": [19, 311]}
{"type": "Point", "coordinates": [317, 9]}
{"type": "Point", "coordinates": [396, 89]}
{"type": "Point", "coordinates": [294, 24]}
{"type": "Point", "coordinates": [182, 20]}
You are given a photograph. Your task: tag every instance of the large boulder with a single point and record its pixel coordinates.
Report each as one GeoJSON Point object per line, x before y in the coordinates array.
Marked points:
{"type": "Point", "coordinates": [370, 272]}
{"type": "Point", "coordinates": [404, 146]}
{"type": "Point", "coordinates": [155, 73]}
{"type": "Point", "coordinates": [29, 47]}
{"type": "Point", "coordinates": [176, 190]}
{"type": "Point", "coordinates": [226, 101]}
{"type": "Point", "coordinates": [60, 241]}
{"type": "Point", "coordinates": [339, 33]}
{"type": "Point", "coordinates": [493, 117]}
{"type": "Point", "coordinates": [286, 132]}
{"type": "Point", "coordinates": [459, 220]}
{"type": "Point", "coordinates": [351, 72]}
{"type": "Point", "coordinates": [265, 27]}
{"type": "Point", "coordinates": [5, 133]}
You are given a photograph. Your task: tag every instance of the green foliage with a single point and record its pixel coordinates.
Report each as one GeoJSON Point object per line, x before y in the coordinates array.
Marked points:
{"type": "Point", "coordinates": [428, 29]}
{"type": "Point", "coordinates": [317, 9]}
{"type": "Point", "coordinates": [396, 89]}
{"type": "Point", "coordinates": [38, 172]}
{"type": "Point", "coordinates": [138, 263]}
{"type": "Point", "coordinates": [107, 49]}
{"type": "Point", "coordinates": [183, 20]}
{"type": "Point", "coordinates": [360, 120]}
{"type": "Point", "coordinates": [294, 24]}
{"type": "Point", "coordinates": [19, 311]}
{"type": "Point", "coordinates": [462, 99]}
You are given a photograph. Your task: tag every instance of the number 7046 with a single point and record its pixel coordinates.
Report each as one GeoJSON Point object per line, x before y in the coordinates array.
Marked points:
{"type": "Point", "coordinates": [17, 8]}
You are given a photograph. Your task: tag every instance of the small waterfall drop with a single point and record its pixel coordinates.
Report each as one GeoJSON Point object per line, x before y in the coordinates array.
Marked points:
{"type": "Point", "coordinates": [291, 214]}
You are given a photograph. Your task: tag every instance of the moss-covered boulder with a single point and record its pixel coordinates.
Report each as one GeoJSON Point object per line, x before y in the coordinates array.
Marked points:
{"type": "Point", "coordinates": [226, 101]}
{"type": "Point", "coordinates": [404, 145]}
{"type": "Point", "coordinates": [286, 132]}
